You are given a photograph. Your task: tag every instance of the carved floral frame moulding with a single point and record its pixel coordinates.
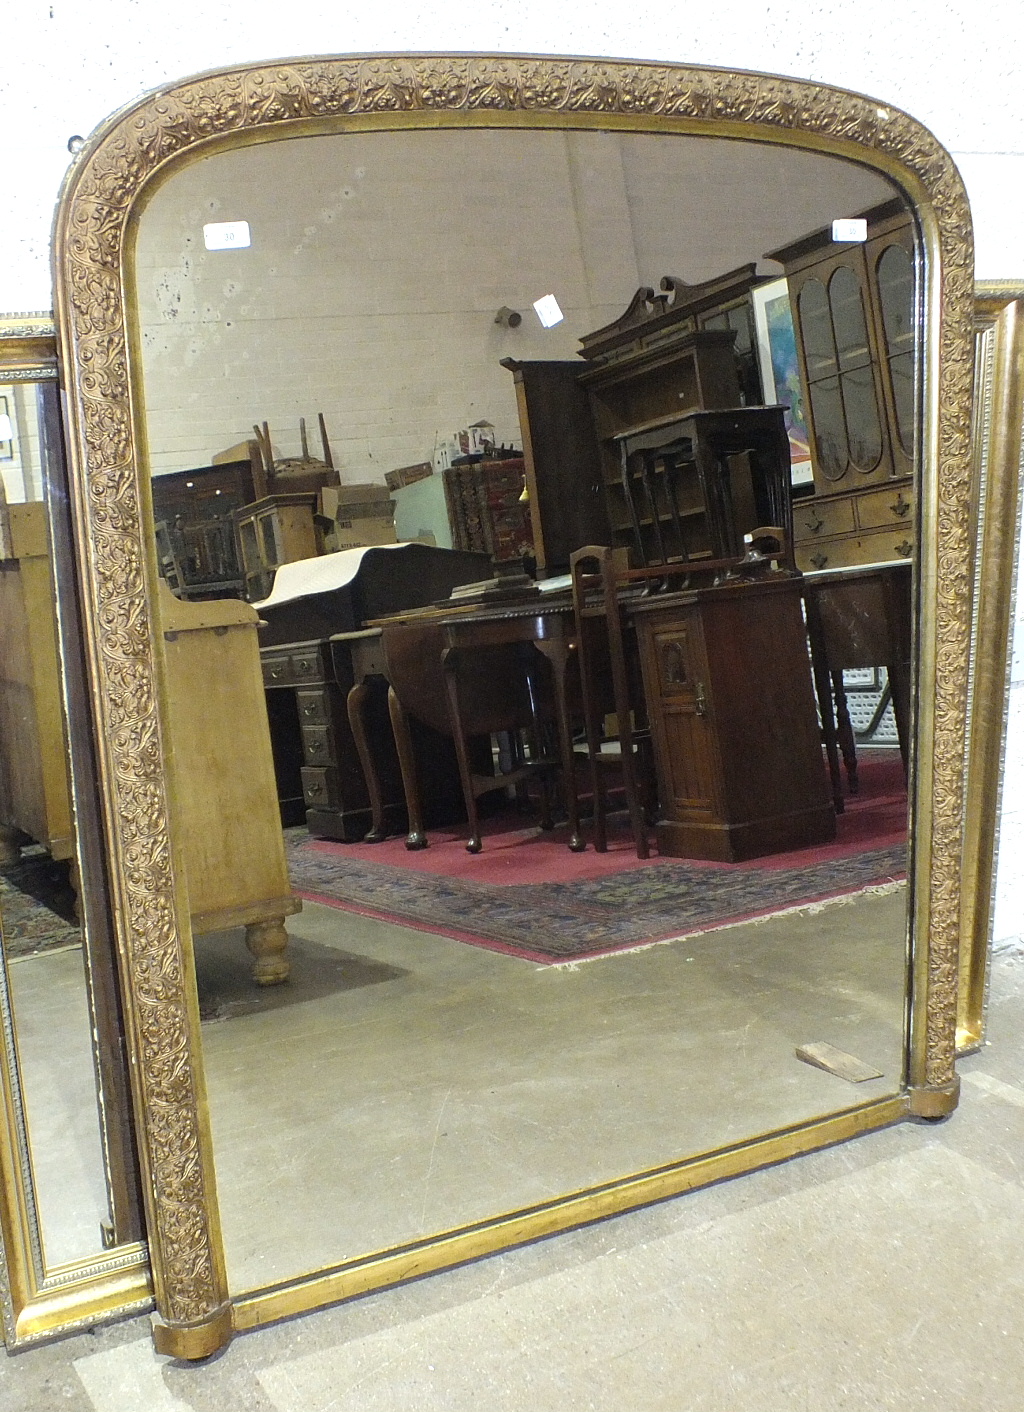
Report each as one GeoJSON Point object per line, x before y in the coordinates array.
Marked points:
{"type": "Point", "coordinates": [91, 237]}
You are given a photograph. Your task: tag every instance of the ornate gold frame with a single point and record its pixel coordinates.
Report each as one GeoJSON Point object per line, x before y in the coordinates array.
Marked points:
{"type": "Point", "coordinates": [36, 1300]}
{"type": "Point", "coordinates": [998, 438]}
{"type": "Point", "coordinates": [103, 194]}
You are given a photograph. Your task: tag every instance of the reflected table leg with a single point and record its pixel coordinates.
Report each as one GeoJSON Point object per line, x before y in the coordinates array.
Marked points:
{"type": "Point", "coordinates": [557, 650]}
{"type": "Point", "coordinates": [355, 706]}
{"type": "Point", "coordinates": [416, 837]}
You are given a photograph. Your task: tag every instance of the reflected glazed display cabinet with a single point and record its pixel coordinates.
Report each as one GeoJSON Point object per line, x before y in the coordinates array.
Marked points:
{"type": "Point", "coordinates": [854, 314]}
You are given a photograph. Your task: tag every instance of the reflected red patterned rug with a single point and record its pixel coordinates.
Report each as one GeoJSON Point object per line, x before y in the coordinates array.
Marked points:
{"type": "Point", "coordinates": [527, 895]}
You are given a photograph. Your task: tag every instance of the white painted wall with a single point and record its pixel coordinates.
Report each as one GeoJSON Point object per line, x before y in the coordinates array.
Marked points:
{"type": "Point", "coordinates": [954, 64]}
{"type": "Point", "coordinates": [378, 261]}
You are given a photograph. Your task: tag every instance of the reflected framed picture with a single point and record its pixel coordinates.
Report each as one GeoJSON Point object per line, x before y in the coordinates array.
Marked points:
{"type": "Point", "coordinates": [780, 370]}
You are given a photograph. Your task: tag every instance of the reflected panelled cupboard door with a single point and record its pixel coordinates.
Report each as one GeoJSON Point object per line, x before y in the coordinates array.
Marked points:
{"type": "Point", "coordinates": [69, 1207]}
{"type": "Point", "coordinates": [358, 1132]}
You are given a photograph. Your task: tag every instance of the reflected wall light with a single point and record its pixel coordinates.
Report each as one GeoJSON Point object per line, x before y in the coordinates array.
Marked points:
{"type": "Point", "coordinates": [548, 311]}
{"type": "Point", "coordinates": [508, 318]}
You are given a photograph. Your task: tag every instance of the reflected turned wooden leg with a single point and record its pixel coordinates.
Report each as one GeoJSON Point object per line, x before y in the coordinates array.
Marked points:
{"type": "Point", "coordinates": [415, 838]}
{"type": "Point", "coordinates": [557, 650]}
{"type": "Point", "coordinates": [355, 704]}
{"type": "Point", "coordinates": [844, 730]}
{"type": "Point", "coordinates": [267, 941]}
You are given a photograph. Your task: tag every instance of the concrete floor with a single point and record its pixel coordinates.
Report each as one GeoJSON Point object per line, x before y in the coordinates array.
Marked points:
{"type": "Point", "coordinates": [884, 1273]}
{"type": "Point", "coordinates": [404, 1084]}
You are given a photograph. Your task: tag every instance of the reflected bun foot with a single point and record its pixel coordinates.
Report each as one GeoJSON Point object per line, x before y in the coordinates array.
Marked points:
{"type": "Point", "coordinates": [376, 836]}
{"type": "Point", "coordinates": [415, 840]}
{"type": "Point", "coordinates": [267, 941]}
{"type": "Point", "coordinates": [577, 844]}
{"type": "Point", "coordinates": [474, 846]}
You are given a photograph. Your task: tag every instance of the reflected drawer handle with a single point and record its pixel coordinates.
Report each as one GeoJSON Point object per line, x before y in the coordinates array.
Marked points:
{"type": "Point", "coordinates": [819, 560]}
{"type": "Point", "coordinates": [702, 702]}
{"type": "Point", "coordinates": [816, 525]}
{"type": "Point", "coordinates": [311, 710]}
{"type": "Point", "coordinates": [276, 672]}
{"type": "Point", "coordinates": [904, 549]}
{"type": "Point", "coordinates": [314, 789]}
{"type": "Point", "coordinates": [315, 747]}
{"type": "Point", "coordinates": [901, 506]}
{"type": "Point", "coordinates": [304, 666]}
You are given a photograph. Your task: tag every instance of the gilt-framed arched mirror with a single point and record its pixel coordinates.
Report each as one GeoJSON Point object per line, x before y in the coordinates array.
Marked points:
{"type": "Point", "coordinates": [428, 1087]}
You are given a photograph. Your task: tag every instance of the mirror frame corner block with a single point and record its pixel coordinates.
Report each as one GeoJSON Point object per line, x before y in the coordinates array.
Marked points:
{"type": "Point", "coordinates": [105, 190]}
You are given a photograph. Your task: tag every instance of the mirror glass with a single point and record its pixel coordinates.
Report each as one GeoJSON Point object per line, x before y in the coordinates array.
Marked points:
{"type": "Point", "coordinates": [462, 1035]}
{"type": "Point", "coordinates": [49, 1030]}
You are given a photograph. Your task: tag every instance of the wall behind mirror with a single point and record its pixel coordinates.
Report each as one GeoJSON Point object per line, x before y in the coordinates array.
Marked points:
{"type": "Point", "coordinates": [406, 1081]}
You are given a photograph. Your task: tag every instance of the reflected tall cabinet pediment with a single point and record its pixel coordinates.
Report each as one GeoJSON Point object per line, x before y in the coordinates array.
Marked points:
{"type": "Point", "coordinates": [629, 140]}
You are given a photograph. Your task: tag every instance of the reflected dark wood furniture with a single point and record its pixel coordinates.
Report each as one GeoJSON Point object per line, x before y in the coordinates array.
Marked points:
{"type": "Point", "coordinates": [860, 617]}
{"type": "Point", "coordinates": [694, 485]}
{"type": "Point", "coordinates": [196, 542]}
{"type": "Point", "coordinates": [473, 673]}
{"type": "Point", "coordinates": [561, 460]}
{"type": "Point", "coordinates": [854, 319]}
{"type": "Point", "coordinates": [686, 348]}
{"type": "Point", "coordinates": [486, 510]}
{"type": "Point", "coordinates": [737, 743]}
{"type": "Point", "coordinates": [314, 654]}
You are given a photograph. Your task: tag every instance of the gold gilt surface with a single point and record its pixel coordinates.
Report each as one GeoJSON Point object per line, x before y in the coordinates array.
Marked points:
{"type": "Point", "coordinates": [274, 100]}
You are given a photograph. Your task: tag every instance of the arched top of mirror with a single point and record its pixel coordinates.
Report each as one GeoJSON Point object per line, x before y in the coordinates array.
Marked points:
{"type": "Point", "coordinates": [104, 194]}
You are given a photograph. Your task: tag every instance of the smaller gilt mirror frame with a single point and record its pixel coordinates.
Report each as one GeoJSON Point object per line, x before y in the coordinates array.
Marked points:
{"type": "Point", "coordinates": [40, 1295]}
{"type": "Point", "coordinates": [103, 196]}
{"type": "Point", "coordinates": [996, 517]}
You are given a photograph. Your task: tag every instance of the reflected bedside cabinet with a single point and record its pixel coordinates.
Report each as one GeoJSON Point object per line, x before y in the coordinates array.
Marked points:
{"type": "Point", "coordinates": [737, 743]}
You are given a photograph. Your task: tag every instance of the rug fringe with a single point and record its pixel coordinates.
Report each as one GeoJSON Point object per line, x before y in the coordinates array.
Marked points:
{"type": "Point", "coordinates": [805, 909]}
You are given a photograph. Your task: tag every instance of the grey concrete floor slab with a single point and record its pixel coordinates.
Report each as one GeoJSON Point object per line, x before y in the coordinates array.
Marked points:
{"type": "Point", "coordinates": [886, 1272]}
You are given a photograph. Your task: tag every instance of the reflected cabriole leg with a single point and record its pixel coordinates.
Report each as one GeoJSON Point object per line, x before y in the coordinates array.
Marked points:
{"type": "Point", "coordinates": [416, 838]}
{"type": "Point", "coordinates": [267, 941]}
{"type": "Point", "coordinates": [449, 662]}
{"type": "Point", "coordinates": [357, 723]}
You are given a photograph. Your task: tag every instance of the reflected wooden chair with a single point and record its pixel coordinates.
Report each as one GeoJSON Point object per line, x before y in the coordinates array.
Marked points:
{"type": "Point", "coordinates": [859, 617]}
{"type": "Point", "coordinates": [601, 654]}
